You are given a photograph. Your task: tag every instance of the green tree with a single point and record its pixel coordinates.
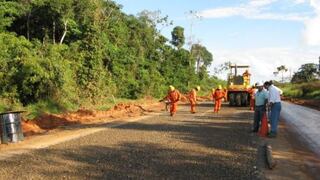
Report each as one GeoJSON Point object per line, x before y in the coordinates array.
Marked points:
{"type": "Point", "coordinates": [178, 38]}
{"type": "Point", "coordinates": [282, 69]}
{"type": "Point", "coordinates": [202, 55]}
{"type": "Point", "coordinates": [8, 11]}
{"type": "Point", "coordinates": [101, 52]}
{"type": "Point", "coordinates": [306, 73]}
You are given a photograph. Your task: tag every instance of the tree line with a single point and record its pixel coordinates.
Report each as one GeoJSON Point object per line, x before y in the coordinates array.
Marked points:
{"type": "Point", "coordinates": [306, 73]}
{"type": "Point", "coordinates": [71, 52]}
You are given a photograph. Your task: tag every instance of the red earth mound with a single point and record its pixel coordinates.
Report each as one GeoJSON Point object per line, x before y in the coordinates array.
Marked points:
{"type": "Point", "coordinates": [83, 116]}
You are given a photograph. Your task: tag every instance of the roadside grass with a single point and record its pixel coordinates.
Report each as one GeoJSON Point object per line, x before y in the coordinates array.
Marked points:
{"type": "Point", "coordinates": [308, 90]}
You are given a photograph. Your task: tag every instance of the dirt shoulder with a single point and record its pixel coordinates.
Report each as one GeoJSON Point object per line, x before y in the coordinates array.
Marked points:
{"type": "Point", "coordinates": [50, 129]}
{"type": "Point", "coordinates": [49, 122]}
{"type": "Point", "coordinates": [293, 157]}
{"type": "Point", "coordinates": [63, 134]}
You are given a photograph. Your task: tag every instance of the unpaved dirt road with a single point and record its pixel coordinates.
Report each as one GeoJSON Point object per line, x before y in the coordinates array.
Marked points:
{"type": "Point", "coordinates": [199, 146]}
{"type": "Point", "coordinates": [187, 146]}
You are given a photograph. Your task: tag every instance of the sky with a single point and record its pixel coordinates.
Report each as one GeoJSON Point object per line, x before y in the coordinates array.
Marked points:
{"type": "Point", "coordinates": [261, 33]}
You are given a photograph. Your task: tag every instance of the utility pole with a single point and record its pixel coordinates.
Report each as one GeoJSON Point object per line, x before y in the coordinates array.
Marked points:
{"type": "Point", "coordinates": [193, 16]}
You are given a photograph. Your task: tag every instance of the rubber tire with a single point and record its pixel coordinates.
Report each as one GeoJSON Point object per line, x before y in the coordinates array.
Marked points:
{"type": "Point", "coordinates": [238, 99]}
{"type": "Point", "coordinates": [244, 99]}
{"type": "Point", "coordinates": [231, 99]}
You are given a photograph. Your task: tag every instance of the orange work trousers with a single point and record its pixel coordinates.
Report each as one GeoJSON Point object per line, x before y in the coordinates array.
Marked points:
{"type": "Point", "coordinates": [217, 105]}
{"type": "Point", "coordinates": [173, 108]}
{"type": "Point", "coordinates": [192, 106]}
{"type": "Point", "coordinates": [252, 104]}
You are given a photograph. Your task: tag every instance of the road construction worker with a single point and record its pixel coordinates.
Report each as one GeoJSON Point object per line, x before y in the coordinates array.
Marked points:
{"type": "Point", "coordinates": [193, 99]}
{"type": "Point", "coordinates": [246, 77]}
{"type": "Point", "coordinates": [252, 90]}
{"type": "Point", "coordinates": [172, 97]}
{"type": "Point", "coordinates": [217, 96]}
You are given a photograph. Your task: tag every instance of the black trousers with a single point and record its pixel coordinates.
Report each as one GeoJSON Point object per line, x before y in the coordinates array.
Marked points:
{"type": "Point", "coordinates": [258, 114]}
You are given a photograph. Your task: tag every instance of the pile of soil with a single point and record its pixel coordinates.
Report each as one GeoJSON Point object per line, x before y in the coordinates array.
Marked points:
{"type": "Point", "coordinates": [204, 98]}
{"type": "Point", "coordinates": [30, 128]}
{"type": "Point", "coordinates": [47, 122]}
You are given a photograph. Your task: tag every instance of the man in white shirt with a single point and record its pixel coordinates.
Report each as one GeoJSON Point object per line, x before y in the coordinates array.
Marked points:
{"type": "Point", "coordinates": [274, 102]}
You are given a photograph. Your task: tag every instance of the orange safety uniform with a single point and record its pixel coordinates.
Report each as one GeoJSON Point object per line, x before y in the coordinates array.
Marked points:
{"type": "Point", "coordinates": [246, 77]}
{"type": "Point", "coordinates": [173, 96]}
{"type": "Point", "coordinates": [193, 100]}
{"type": "Point", "coordinates": [252, 92]}
{"type": "Point", "coordinates": [217, 96]}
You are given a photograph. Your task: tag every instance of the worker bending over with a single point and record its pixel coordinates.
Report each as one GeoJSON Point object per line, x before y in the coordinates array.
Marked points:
{"type": "Point", "coordinates": [173, 97]}
{"type": "Point", "coordinates": [193, 99]}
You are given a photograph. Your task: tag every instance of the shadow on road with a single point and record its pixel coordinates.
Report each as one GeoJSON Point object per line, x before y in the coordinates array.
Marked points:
{"type": "Point", "coordinates": [128, 160]}
{"type": "Point", "coordinates": [183, 147]}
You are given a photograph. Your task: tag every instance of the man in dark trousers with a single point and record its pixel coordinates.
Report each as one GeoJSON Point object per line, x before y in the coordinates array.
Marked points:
{"type": "Point", "coordinates": [261, 99]}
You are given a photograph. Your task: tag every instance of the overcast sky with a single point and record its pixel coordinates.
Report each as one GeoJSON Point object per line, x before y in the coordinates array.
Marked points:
{"type": "Point", "coordinates": [261, 33]}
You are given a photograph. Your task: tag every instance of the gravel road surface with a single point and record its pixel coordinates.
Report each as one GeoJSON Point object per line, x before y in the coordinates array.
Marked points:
{"type": "Point", "coordinates": [188, 146]}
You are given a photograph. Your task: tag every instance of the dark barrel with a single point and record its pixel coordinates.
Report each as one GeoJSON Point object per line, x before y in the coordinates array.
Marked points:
{"type": "Point", "coordinates": [11, 127]}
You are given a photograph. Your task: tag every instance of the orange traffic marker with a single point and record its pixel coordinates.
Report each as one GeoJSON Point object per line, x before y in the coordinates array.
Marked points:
{"type": "Point", "coordinates": [263, 132]}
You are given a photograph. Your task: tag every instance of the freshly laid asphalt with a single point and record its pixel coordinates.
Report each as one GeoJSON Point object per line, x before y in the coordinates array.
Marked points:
{"type": "Point", "coordinates": [188, 146]}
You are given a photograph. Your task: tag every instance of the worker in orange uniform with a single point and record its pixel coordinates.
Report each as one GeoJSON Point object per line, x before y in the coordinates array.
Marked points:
{"type": "Point", "coordinates": [252, 91]}
{"type": "Point", "coordinates": [246, 77]}
{"type": "Point", "coordinates": [217, 96]}
{"type": "Point", "coordinates": [173, 97]}
{"type": "Point", "coordinates": [193, 99]}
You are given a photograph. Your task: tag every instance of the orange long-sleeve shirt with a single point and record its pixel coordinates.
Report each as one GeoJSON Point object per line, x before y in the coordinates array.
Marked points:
{"type": "Point", "coordinates": [173, 96]}
{"type": "Point", "coordinates": [218, 94]}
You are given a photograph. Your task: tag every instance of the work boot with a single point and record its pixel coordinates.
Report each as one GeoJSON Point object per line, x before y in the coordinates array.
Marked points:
{"type": "Point", "coordinates": [272, 135]}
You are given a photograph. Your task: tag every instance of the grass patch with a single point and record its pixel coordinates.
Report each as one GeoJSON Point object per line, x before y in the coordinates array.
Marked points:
{"type": "Point", "coordinates": [309, 90]}
{"type": "Point", "coordinates": [42, 107]}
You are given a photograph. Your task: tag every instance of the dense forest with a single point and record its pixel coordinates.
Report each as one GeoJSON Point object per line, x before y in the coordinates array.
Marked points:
{"type": "Point", "coordinates": [78, 52]}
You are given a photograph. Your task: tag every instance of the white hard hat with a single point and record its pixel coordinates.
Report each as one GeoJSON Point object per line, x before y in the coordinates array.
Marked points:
{"type": "Point", "coordinates": [259, 84]}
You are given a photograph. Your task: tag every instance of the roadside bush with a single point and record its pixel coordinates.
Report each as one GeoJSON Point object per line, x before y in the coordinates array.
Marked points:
{"type": "Point", "coordinates": [310, 90]}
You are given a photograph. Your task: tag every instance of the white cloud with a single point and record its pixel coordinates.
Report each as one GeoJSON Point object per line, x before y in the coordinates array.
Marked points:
{"type": "Point", "coordinates": [299, 1]}
{"type": "Point", "coordinates": [254, 9]}
{"type": "Point", "coordinates": [264, 61]}
{"type": "Point", "coordinates": [312, 31]}
{"type": "Point", "coordinates": [223, 12]}
{"type": "Point", "coordinates": [260, 3]}
{"type": "Point", "coordinates": [312, 26]}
